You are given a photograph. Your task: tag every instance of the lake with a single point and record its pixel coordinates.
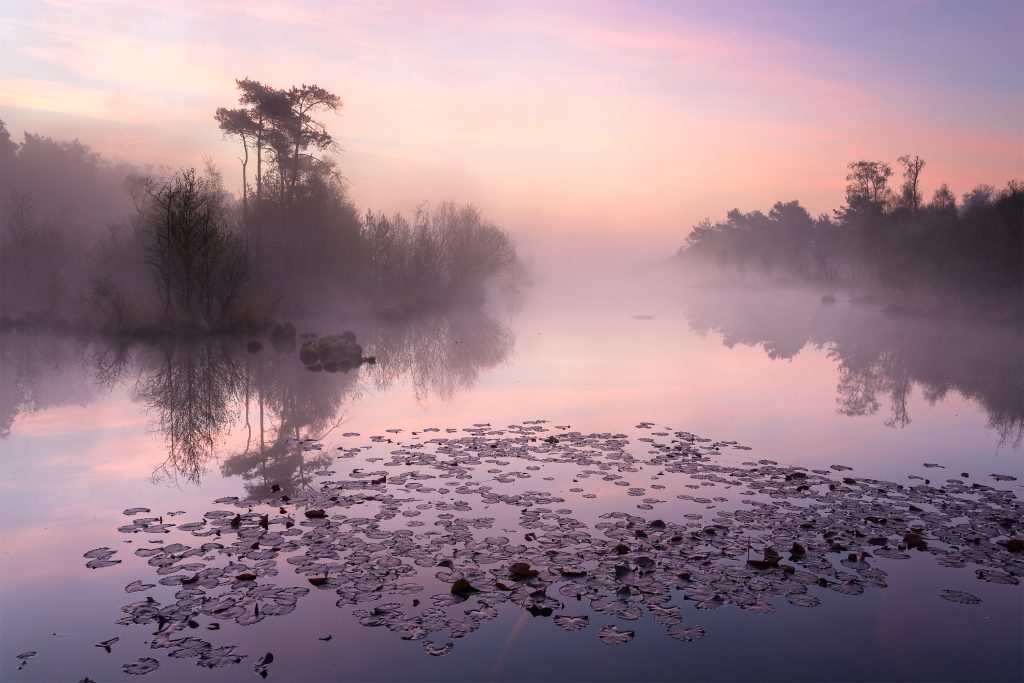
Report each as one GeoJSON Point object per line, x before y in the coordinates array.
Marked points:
{"type": "Point", "coordinates": [614, 478]}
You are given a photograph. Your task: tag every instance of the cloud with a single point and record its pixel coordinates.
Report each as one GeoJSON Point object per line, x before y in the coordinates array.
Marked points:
{"type": "Point", "coordinates": [565, 117]}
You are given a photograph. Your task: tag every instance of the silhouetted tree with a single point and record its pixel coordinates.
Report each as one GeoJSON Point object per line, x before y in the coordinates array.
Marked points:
{"type": "Point", "coordinates": [966, 258]}
{"type": "Point", "coordinates": [239, 123]}
{"type": "Point", "coordinates": [943, 199]}
{"type": "Point", "coordinates": [868, 185]}
{"type": "Point", "coordinates": [197, 262]}
{"type": "Point", "coordinates": [910, 196]}
{"type": "Point", "coordinates": [302, 130]}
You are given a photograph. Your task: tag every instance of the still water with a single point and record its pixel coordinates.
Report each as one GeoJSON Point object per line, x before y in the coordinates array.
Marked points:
{"type": "Point", "coordinates": [565, 486]}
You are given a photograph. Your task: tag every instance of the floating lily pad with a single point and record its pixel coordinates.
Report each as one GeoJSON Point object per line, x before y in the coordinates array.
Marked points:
{"type": "Point", "coordinates": [961, 597]}
{"type": "Point", "coordinates": [100, 564]}
{"type": "Point", "coordinates": [680, 632]}
{"type": "Point", "coordinates": [136, 586]}
{"type": "Point", "coordinates": [571, 623]}
{"type": "Point", "coordinates": [436, 650]}
{"type": "Point", "coordinates": [613, 635]}
{"type": "Point", "coordinates": [24, 658]}
{"type": "Point", "coordinates": [435, 509]}
{"type": "Point", "coordinates": [143, 666]}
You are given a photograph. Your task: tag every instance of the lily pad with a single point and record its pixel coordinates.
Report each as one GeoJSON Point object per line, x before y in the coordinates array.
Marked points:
{"type": "Point", "coordinates": [613, 635]}
{"type": "Point", "coordinates": [961, 597]}
{"type": "Point", "coordinates": [143, 666]}
{"type": "Point", "coordinates": [571, 623]}
{"type": "Point", "coordinates": [680, 632]}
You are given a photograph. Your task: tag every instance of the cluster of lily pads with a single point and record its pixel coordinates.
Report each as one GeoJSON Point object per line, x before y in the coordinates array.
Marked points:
{"type": "Point", "coordinates": [435, 534]}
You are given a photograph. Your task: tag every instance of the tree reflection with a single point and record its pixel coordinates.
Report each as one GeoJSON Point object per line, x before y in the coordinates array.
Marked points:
{"type": "Point", "coordinates": [880, 358]}
{"type": "Point", "coordinates": [40, 372]}
{"type": "Point", "coordinates": [286, 403]}
{"type": "Point", "coordinates": [859, 386]}
{"type": "Point", "coordinates": [191, 390]}
{"type": "Point", "coordinates": [440, 354]}
{"type": "Point", "coordinates": [198, 393]}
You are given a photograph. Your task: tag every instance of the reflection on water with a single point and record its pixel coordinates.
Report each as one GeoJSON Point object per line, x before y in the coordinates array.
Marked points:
{"type": "Point", "coordinates": [612, 523]}
{"type": "Point", "coordinates": [443, 355]}
{"type": "Point", "coordinates": [880, 357]}
{"type": "Point", "coordinates": [198, 392]}
{"type": "Point", "coordinates": [190, 392]}
{"type": "Point", "coordinates": [44, 371]}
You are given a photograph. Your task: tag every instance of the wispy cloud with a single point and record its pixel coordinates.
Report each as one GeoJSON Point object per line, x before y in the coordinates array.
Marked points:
{"type": "Point", "coordinates": [570, 114]}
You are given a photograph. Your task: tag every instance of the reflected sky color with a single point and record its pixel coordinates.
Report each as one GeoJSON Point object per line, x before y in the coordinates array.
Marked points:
{"type": "Point", "coordinates": [698, 362]}
{"type": "Point", "coordinates": [624, 122]}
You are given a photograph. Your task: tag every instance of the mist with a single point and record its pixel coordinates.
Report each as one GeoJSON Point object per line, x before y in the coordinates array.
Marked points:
{"type": "Point", "coordinates": [161, 251]}
{"type": "Point", "coordinates": [512, 341]}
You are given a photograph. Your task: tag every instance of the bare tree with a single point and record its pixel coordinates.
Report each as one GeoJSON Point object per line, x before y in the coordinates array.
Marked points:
{"type": "Point", "coordinates": [910, 195]}
{"type": "Point", "coordinates": [197, 263]}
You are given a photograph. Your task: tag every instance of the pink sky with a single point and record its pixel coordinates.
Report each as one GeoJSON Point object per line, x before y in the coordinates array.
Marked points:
{"type": "Point", "coordinates": [624, 122]}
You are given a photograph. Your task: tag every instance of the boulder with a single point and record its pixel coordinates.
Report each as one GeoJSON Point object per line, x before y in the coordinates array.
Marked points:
{"type": "Point", "coordinates": [309, 354]}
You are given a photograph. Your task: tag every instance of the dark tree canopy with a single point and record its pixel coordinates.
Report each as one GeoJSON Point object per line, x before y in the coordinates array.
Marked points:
{"type": "Point", "coordinates": [967, 257]}
{"type": "Point", "coordinates": [180, 254]}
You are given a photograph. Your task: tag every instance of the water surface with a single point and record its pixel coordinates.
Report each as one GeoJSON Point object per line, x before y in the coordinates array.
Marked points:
{"type": "Point", "coordinates": [94, 428]}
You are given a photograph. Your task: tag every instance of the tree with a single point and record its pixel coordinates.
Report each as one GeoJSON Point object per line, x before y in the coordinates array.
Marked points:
{"type": "Point", "coordinates": [300, 127]}
{"type": "Point", "coordinates": [265, 109]}
{"type": "Point", "coordinates": [979, 197]}
{"type": "Point", "coordinates": [199, 266]}
{"type": "Point", "coordinates": [281, 122]}
{"type": "Point", "coordinates": [8, 150]}
{"type": "Point", "coordinates": [240, 123]}
{"type": "Point", "coordinates": [910, 196]}
{"type": "Point", "coordinates": [868, 185]}
{"type": "Point", "coordinates": [943, 199]}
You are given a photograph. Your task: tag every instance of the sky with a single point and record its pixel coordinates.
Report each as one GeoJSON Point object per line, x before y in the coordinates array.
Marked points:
{"type": "Point", "coordinates": [591, 125]}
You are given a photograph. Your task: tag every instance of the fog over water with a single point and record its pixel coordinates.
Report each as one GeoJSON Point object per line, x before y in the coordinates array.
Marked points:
{"type": "Point", "coordinates": [511, 341]}
{"type": "Point", "coordinates": [108, 424]}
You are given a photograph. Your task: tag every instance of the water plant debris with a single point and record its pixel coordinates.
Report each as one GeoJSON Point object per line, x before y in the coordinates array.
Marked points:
{"type": "Point", "coordinates": [434, 535]}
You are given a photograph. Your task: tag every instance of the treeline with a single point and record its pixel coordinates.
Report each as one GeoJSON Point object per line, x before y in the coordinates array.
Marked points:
{"type": "Point", "coordinates": [177, 252]}
{"type": "Point", "coordinates": [937, 254]}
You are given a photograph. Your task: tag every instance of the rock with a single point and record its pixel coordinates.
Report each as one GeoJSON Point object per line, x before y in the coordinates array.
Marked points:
{"type": "Point", "coordinates": [309, 354]}
{"type": "Point", "coordinates": [253, 346]}
{"type": "Point", "coordinates": [340, 351]}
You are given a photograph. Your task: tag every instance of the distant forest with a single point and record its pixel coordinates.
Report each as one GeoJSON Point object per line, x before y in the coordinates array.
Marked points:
{"type": "Point", "coordinates": [939, 255]}
{"type": "Point", "coordinates": [98, 245]}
